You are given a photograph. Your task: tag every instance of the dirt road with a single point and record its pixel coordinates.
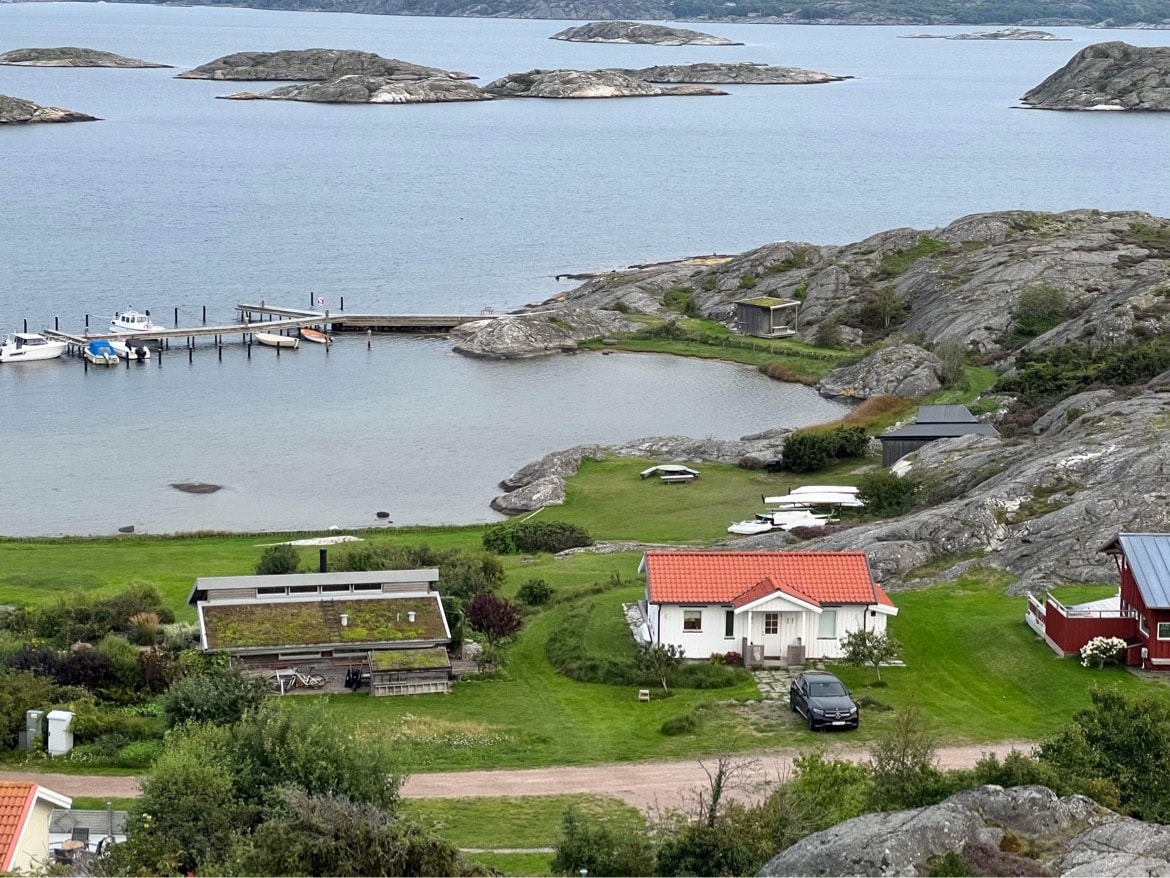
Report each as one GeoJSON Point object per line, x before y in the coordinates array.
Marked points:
{"type": "Point", "coordinates": [643, 785]}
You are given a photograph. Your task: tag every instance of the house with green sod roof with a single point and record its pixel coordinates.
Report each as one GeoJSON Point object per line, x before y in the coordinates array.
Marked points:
{"type": "Point", "coordinates": [386, 625]}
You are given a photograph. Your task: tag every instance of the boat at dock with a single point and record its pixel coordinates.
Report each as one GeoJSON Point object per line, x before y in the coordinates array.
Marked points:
{"type": "Point", "coordinates": [100, 352]}
{"type": "Point", "coordinates": [22, 347]}
{"type": "Point", "coordinates": [132, 321]}
{"type": "Point", "coordinates": [274, 340]}
{"type": "Point", "coordinates": [315, 335]}
{"type": "Point", "coordinates": [130, 351]}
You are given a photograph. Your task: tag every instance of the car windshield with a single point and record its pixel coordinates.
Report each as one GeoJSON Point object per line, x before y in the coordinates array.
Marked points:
{"type": "Point", "coordinates": [826, 688]}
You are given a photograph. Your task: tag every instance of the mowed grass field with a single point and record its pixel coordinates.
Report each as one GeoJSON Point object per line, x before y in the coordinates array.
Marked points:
{"type": "Point", "coordinates": [972, 666]}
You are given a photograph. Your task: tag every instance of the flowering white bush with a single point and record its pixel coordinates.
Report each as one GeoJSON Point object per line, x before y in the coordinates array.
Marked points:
{"type": "Point", "coordinates": [1100, 650]}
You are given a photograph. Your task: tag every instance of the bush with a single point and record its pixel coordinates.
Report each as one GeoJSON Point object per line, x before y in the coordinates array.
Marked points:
{"type": "Point", "coordinates": [278, 560]}
{"type": "Point", "coordinates": [125, 660]}
{"type": "Point", "coordinates": [886, 494]}
{"type": "Point", "coordinates": [1038, 310]}
{"type": "Point", "coordinates": [807, 451]}
{"type": "Point", "coordinates": [680, 725]}
{"type": "Point", "coordinates": [535, 592]}
{"type": "Point", "coordinates": [534, 536]}
{"type": "Point", "coordinates": [21, 691]}
{"type": "Point", "coordinates": [599, 847]}
{"type": "Point", "coordinates": [80, 619]}
{"type": "Point", "coordinates": [1101, 650]}
{"type": "Point", "coordinates": [828, 334]}
{"type": "Point", "coordinates": [220, 696]}
{"type": "Point", "coordinates": [462, 573]}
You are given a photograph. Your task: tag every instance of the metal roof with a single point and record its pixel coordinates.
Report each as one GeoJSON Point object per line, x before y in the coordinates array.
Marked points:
{"type": "Point", "coordinates": [944, 414]}
{"type": "Point", "coordinates": [940, 431]}
{"type": "Point", "coordinates": [1148, 556]}
{"type": "Point", "coordinates": [204, 584]}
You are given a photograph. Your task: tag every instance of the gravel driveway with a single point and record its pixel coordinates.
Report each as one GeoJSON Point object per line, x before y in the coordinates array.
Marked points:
{"type": "Point", "coordinates": [642, 785]}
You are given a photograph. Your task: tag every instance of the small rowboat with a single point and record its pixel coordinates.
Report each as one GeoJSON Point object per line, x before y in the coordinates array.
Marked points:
{"type": "Point", "coordinates": [276, 341]}
{"type": "Point", "coordinates": [315, 335]}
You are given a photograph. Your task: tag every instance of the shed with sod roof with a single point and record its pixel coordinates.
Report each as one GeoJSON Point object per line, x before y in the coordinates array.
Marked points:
{"type": "Point", "coordinates": [773, 608]}
{"type": "Point", "coordinates": [338, 623]}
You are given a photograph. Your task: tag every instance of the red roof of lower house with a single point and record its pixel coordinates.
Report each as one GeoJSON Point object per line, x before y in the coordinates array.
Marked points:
{"type": "Point", "coordinates": [739, 577]}
{"type": "Point", "coordinates": [16, 798]}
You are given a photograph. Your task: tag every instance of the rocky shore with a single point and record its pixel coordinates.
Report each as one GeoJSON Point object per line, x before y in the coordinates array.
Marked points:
{"type": "Point", "coordinates": [370, 90]}
{"type": "Point", "coordinates": [1008, 33]}
{"type": "Point", "coordinates": [70, 56]}
{"type": "Point", "coordinates": [644, 34]}
{"type": "Point", "coordinates": [744, 73]}
{"type": "Point", "coordinates": [1108, 76]}
{"type": "Point", "coordinates": [314, 65]}
{"type": "Point", "coordinates": [18, 111]}
{"type": "Point", "coordinates": [587, 84]}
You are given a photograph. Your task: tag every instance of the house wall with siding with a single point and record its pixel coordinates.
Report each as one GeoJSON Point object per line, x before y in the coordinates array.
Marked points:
{"type": "Point", "coordinates": [32, 848]}
{"type": "Point", "coordinates": [1159, 650]}
{"type": "Point", "coordinates": [666, 626]}
{"type": "Point", "coordinates": [1071, 633]}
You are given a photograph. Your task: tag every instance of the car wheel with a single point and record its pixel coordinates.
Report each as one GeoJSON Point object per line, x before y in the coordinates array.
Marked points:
{"type": "Point", "coordinates": [811, 727]}
{"type": "Point", "coordinates": [791, 704]}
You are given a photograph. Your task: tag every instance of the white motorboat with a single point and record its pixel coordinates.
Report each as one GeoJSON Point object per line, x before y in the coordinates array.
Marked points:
{"type": "Point", "coordinates": [132, 321]}
{"type": "Point", "coordinates": [126, 351]}
{"type": "Point", "coordinates": [751, 528]}
{"type": "Point", "coordinates": [827, 498]}
{"type": "Point", "coordinates": [824, 489]}
{"type": "Point", "coordinates": [100, 352]}
{"type": "Point", "coordinates": [21, 347]}
{"type": "Point", "coordinates": [274, 340]}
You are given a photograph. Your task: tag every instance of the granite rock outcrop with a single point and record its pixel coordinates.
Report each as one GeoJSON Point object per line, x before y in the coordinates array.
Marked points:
{"type": "Point", "coordinates": [586, 84]}
{"type": "Point", "coordinates": [742, 73]}
{"type": "Point", "coordinates": [1108, 76]}
{"type": "Point", "coordinates": [1007, 33]}
{"type": "Point", "coordinates": [313, 65]}
{"type": "Point", "coordinates": [357, 89]}
{"type": "Point", "coordinates": [1069, 836]}
{"type": "Point", "coordinates": [904, 370]}
{"type": "Point", "coordinates": [18, 111]}
{"type": "Point", "coordinates": [636, 32]}
{"type": "Point", "coordinates": [520, 336]}
{"type": "Point", "coordinates": [70, 56]}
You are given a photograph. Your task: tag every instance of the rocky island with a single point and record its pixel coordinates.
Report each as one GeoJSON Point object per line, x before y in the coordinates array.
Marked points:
{"type": "Point", "coordinates": [314, 65]}
{"type": "Point", "coordinates": [371, 90]}
{"type": "Point", "coordinates": [743, 73]}
{"type": "Point", "coordinates": [644, 34]}
{"type": "Point", "coordinates": [18, 111]}
{"type": "Point", "coordinates": [1008, 33]}
{"type": "Point", "coordinates": [1108, 76]}
{"type": "Point", "coordinates": [70, 56]}
{"type": "Point", "coordinates": [586, 84]}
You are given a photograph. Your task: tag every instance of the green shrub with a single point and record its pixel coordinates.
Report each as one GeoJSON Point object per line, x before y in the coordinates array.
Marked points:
{"type": "Point", "coordinates": [886, 494]}
{"type": "Point", "coordinates": [462, 573]}
{"type": "Point", "coordinates": [681, 300]}
{"type": "Point", "coordinates": [807, 451]}
{"type": "Point", "coordinates": [21, 691]}
{"type": "Point", "coordinates": [797, 260]}
{"type": "Point", "coordinates": [620, 306]}
{"type": "Point", "coordinates": [535, 592]}
{"type": "Point", "coordinates": [828, 334]}
{"type": "Point", "coordinates": [220, 696]}
{"type": "Point", "coordinates": [511, 538]}
{"type": "Point", "coordinates": [1038, 310]}
{"type": "Point", "coordinates": [680, 725]}
{"type": "Point", "coordinates": [748, 282]}
{"type": "Point", "coordinates": [92, 722]}
{"type": "Point", "coordinates": [595, 846]}
{"type": "Point", "coordinates": [79, 618]}
{"type": "Point", "coordinates": [1058, 372]}
{"type": "Point", "coordinates": [570, 655]}
{"type": "Point", "coordinates": [278, 560]}
{"type": "Point", "coordinates": [897, 262]}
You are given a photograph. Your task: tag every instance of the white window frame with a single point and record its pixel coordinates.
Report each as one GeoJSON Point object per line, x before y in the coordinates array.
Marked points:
{"type": "Point", "coordinates": [692, 614]}
{"type": "Point", "coordinates": [822, 621]}
{"type": "Point", "coordinates": [773, 618]}
{"type": "Point", "coordinates": [1165, 636]}
{"type": "Point", "coordinates": [1143, 625]}
{"type": "Point", "coordinates": [729, 625]}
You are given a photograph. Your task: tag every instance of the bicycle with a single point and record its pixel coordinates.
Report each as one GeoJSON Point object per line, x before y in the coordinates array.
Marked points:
{"type": "Point", "coordinates": [284, 680]}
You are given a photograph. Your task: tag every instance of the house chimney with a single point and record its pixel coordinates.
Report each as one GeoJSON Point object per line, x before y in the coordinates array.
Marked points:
{"type": "Point", "coordinates": [410, 616]}
{"type": "Point", "coordinates": [344, 619]}
{"type": "Point", "coordinates": [324, 555]}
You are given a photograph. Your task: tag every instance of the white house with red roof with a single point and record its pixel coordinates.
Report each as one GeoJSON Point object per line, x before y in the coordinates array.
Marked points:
{"type": "Point", "coordinates": [25, 809]}
{"type": "Point", "coordinates": [760, 604]}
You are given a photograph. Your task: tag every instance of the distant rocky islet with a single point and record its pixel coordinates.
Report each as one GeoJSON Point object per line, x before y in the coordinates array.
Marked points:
{"type": "Point", "coordinates": [70, 56]}
{"type": "Point", "coordinates": [1008, 33]}
{"type": "Point", "coordinates": [18, 111]}
{"type": "Point", "coordinates": [641, 34]}
{"type": "Point", "coordinates": [314, 65]}
{"type": "Point", "coordinates": [1108, 76]}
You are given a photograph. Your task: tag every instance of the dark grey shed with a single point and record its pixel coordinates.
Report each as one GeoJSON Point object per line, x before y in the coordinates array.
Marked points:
{"type": "Point", "coordinates": [767, 316]}
{"type": "Point", "coordinates": [933, 422]}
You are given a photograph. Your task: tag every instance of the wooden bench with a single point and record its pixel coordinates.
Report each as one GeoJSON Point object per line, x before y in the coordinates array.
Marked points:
{"type": "Point", "coordinates": [680, 479]}
{"type": "Point", "coordinates": [643, 694]}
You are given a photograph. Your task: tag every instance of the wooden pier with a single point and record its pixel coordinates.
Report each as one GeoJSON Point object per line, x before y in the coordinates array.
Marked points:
{"type": "Point", "coordinates": [271, 319]}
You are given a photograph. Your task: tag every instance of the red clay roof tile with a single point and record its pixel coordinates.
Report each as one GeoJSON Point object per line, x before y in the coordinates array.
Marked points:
{"type": "Point", "coordinates": [724, 577]}
{"type": "Point", "coordinates": [16, 797]}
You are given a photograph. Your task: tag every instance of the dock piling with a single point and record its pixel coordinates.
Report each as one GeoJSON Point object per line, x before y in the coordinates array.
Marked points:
{"type": "Point", "coordinates": [26, 324]}
{"type": "Point", "coordinates": [204, 315]}
{"type": "Point", "coordinates": [342, 303]}
{"type": "Point", "coordinates": [56, 323]}
{"type": "Point", "coordinates": [176, 318]}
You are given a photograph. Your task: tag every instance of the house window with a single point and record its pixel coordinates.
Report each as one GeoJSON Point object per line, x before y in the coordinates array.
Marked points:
{"type": "Point", "coordinates": [1164, 630]}
{"type": "Point", "coordinates": [303, 589]}
{"type": "Point", "coordinates": [271, 590]}
{"type": "Point", "coordinates": [1143, 625]}
{"type": "Point", "coordinates": [827, 629]}
{"type": "Point", "coordinates": [692, 620]}
{"type": "Point", "coordinates": [771, 623]}
{"type": "Point", "coordinates": [367, 586]}
{"type": "Point", "coordinates": [729, 623]}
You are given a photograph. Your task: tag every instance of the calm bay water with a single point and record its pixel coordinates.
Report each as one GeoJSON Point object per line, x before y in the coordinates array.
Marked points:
{"type": "Point", "coordinates": [178, 200]}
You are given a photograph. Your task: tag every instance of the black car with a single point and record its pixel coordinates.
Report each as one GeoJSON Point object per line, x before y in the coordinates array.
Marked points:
{"type": "Point", "coordinates": [823, 701]}
{"type": "Point", "coordinates": [773, 465]}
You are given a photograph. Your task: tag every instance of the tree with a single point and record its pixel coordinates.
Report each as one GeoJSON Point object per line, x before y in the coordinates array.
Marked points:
{"type": "Point", "coordinates": [278, 560]}
{"type": "Point", "coordinates": [864, 647]}
{"type": "Point", "coordinates": [461, 573]}
{"type": "Point", "coordinates": [903, 764]}
{"type": "Point", "coordinates": [657, 660]}
{"type": "Point", "coordinates": [494, 617]}
{"type": "Point", "coordinates": [219, 695]}
{"type": "Point", "coordinates": [887, 494]}
{"type": "Point", "coordinates": [21, 691]}
{"type": "Point", "coordinates": [535, 592]}
{"type": "Point", "coordinates": [952, 356]}
{"type": "Point", "coordinates": [601, 848]}
{"type": "Point", "coordinates": [1039, 309]}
